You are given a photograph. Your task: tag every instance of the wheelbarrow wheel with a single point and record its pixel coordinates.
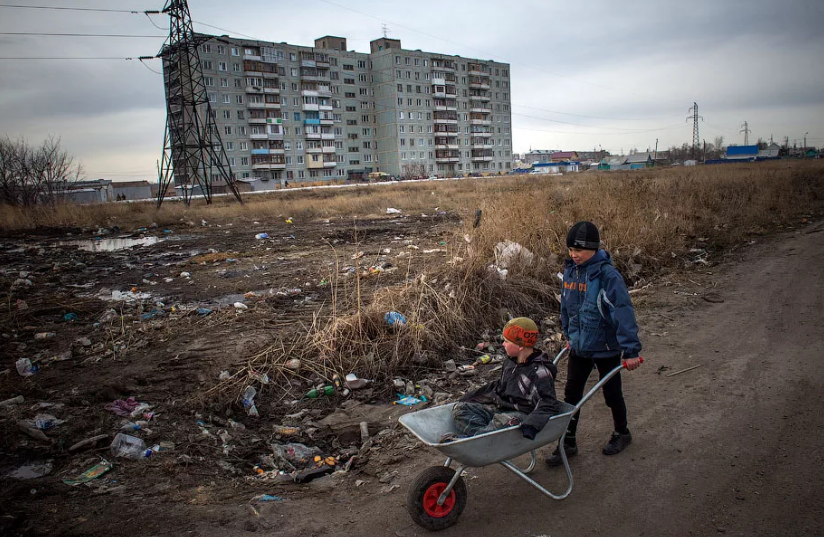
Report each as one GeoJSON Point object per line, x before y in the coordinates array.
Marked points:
{"type": "Point", "coordinates": [422, 500]}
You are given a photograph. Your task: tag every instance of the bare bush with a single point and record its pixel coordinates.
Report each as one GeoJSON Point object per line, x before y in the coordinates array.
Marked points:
{"type": "Point", "coordinates": [35, 175]}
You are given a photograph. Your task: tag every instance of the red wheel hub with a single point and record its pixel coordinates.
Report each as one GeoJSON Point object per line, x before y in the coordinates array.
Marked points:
{"type": "Point", "coordinates": [430, 501]}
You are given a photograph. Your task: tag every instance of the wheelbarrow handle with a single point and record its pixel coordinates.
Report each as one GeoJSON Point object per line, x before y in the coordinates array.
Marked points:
{"type": "Point", "coordinates": [601, 382]}
{"type": "Point", "coordinates": [561, 354]}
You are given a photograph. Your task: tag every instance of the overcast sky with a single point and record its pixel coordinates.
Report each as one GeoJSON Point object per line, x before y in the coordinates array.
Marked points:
{"type": "Point", "coordinates": [595, 74]}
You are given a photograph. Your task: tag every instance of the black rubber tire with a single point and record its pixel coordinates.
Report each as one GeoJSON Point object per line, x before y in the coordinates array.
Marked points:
{"type": "Point", "coordinates": [435, 476]}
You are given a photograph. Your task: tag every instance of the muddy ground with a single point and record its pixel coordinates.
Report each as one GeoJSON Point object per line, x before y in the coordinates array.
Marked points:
{"type": "Point", "coordinates": [728, 447]}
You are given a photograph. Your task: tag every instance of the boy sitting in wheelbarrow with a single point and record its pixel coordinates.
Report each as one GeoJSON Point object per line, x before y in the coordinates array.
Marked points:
{"type": "Point", "coordinates": [524, 396]}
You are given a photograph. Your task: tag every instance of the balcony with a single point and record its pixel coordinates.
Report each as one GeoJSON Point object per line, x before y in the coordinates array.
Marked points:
{"type": "Point", "coordinates": [263, 136]}
{"type": "Point", "coordinates": [324, 121]}
{"type": "Point", "coordinates": [260, 151]}
{"type": "Point", "coordinates": [446, 146]}
{"type": "Point", "coordinates": [446, 107]}
{"type": "Point", "coordinates": [327, 135]}
{"type": "Point", "coordinates": [311, 121]}
{"type": "Point", "coordinates": [480, 122]}
{"type": "Point", "coordinates": [257, 121]}
{"type": "Point", "coordinates": [275, 136]}
{"type": "Point", "coordinates": [308, 63]}
{"type": "Point", "coordinates": [447, 159]}
{"type": "Point", "coordinates": [272, 106]}
{"type": "Point", "coordinates": [312, 135]}
{"type": "Point", "coordinates": [439, 81]}
{"type": "Point", "coordinates": [481, 110]}
{"type": "Point", "coordinates": [256, 106]}
{"type": "Point", "coordinates": [277, 151]}
{"type": "Point", "coordinates": [314, 150]}
{"type": "Point", "coordinates": [479, 85]}
{"type": "Point", "coordinates": [479, 97]}
{"type": "Point", "coordinates": [309, 93]}
{"type": "Point", "coordinates": [270, 75]}
{"type": "Point", "coordinates": [329, 163]}
{"type": "Point", "coordinates": [321, 65]}
{"type": "Point", "coordinates": [275, 91]}
{"type": "Point", "coordinates": [440, 121]}
{"type": "Point", "coordinates": [254, 89]}
{"type": "Point", "coordinates": [252, 57]}
{"type": "Point", "coordinates": [482, 134]}
{"type": "Point", "coordinates": [312, 107]}
{"type": "Point", "coordinates": [328, 149]}
{"type": "Point", "coordinates": [269, 166]}
{"type": "Point", "coordinates": [326, 107]}
{"type": "Point", "coordinates": [483, 158]}
{"type": "Point", "coordinates": [314, 164]}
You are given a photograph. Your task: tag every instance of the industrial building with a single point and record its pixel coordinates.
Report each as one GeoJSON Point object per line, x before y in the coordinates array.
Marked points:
{"type": "Point", "coordinates": [308, 114]}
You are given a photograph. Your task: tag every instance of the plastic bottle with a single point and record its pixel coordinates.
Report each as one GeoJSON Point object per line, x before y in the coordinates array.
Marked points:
{"type": "Point", "coordinates": [484, 359]}
{"type": "Point", "coordinates": [286, 430]}
{"type": "Point", "coordinates": [129, 447]}
{"type": "Point", "coordinates": [249, 401]}
{"type": "Point", "coordinates": [317, 392]}
{"type": "Point", "coordinates": [133, 426]}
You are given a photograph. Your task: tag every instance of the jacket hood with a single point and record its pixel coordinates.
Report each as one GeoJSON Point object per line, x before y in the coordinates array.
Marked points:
{"type": "Point", "coordinates": [542, 358]}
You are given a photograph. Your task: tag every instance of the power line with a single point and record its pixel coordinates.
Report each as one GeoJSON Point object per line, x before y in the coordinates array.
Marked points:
{"type": "Point", "coordinates": [141, 58]}
{"type": "Point", "coordinates": [596, 117]}
{"type": "Point", "coordinates": [77, 35]}
{"type": "Point", "coordinates": [71, 8]}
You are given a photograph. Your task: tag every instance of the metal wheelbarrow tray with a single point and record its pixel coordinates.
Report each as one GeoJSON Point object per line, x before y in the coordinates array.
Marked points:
{"type": "Point", "coordinates": [438, 495]}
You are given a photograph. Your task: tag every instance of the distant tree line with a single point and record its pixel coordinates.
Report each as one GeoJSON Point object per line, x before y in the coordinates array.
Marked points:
{"type": "Point", "coordinates": [34, 175]}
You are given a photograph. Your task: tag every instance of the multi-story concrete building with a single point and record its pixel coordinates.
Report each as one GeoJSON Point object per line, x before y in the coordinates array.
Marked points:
{"type": "Point", "coordinates": [294, 113]}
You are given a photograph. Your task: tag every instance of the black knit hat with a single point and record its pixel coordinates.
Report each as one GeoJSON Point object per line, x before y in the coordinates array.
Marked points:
{"type": "Point", "coordinates": [584, 235]}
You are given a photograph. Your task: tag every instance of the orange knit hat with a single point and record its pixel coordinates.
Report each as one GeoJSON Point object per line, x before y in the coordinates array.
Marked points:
{"type": "Point", "coordinates": [521, 331]}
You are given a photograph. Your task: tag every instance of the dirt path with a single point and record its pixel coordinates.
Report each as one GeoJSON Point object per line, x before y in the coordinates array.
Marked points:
{"type": "Point", "coordinates": [731, 447]}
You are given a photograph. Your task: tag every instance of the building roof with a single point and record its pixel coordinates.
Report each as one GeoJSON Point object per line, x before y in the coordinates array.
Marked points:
{"type": "Point", "coordinates": [742, 150]}
{"type": "Point", "coordinates": [638, 158]}
{"type": "Point", "coordinates": [564, 154]}
{"type": "Point", "coordinates": [130, 184]}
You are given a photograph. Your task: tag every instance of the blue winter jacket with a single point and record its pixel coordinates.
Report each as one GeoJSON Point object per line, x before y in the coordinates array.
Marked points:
{"type": "Point", "coordinates": [596, 311]}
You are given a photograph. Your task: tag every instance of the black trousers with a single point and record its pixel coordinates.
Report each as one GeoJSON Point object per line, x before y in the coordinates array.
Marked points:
{"type": "Point", "coordinates": [578, 370]}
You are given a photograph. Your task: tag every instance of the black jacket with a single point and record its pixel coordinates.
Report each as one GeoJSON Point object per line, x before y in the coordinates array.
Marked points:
{"type": "Point", "coordinates": [527, 387]}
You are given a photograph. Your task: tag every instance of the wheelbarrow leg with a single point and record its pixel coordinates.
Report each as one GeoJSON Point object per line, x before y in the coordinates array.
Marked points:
{"type": "Point", "coordinates": [522, 475]}
{"type": "Point", "coordinates": [445, 494]}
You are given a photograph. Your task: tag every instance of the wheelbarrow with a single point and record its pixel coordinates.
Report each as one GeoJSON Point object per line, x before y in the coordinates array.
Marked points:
{"type": "Point", "coordinates": [438, 495]}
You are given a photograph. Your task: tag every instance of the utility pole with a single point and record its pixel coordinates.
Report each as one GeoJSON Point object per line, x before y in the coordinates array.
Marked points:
{"type": "Point", "coordinates": [704, 152]}
{"type": "Point", "coordinates": [192, 148]}
{"type": "Point", "coordinates": [695, 117]}
{"type": "Point", "coordinates": [746, 130]}
{"type": "Point", "coordinates": [805, 144]}
{"type": "Point", "coordinates": [655, 155]}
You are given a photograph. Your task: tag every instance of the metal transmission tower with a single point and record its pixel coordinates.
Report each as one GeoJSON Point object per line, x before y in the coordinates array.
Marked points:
{"type": "Point", "coordinates": [746, 130]}
{"type": "Point", "coordinates": [695, 138]}
{"type": "Point", "coordinates": [193, 153]}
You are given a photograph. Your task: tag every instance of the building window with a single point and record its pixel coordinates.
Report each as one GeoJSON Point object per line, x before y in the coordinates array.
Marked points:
{"type": "Point", "coordinates": [244, 146]}
{"type": "Point", "coordinates": [244, 161]}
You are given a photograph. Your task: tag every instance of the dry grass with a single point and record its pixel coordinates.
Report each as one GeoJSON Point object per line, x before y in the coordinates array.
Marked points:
{"type": "Point", "coordinates": [648, 219]}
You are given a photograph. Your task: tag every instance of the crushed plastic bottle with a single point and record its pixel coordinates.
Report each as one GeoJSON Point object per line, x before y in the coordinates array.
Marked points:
{"type": "Point", "coordinates": [314, 393]}
{"type": "Point", "coordinates": [129, 447]}
{"type": "Point", "coordinates": [139, 425]}
{"type": "Point", "coordinates": [25, 367]}
{"type": "Point", "coordinates": [249, 401]}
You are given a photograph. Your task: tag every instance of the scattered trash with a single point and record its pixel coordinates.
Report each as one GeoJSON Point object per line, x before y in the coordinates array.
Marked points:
{"type": "Point", "coordinates": [25, 367]}
{"type": "Point", "coordinates": [70, 318]}
{"type": "Point", "coordinates": [409, 400]}
{"type": "Point", "coordinates": [314, 393]}
{"type": "Point", "coordinates": [37, 434]}
{"type": "Point", "coordinates": [682, 371]}
{"type": "Point", "coordinates": [44, 335]}
{"type": "Point", "coordinates": [44, 422]}
{"type": "Point", "coordinates": [129, 447]}
{"type": "Point", "coordinates": [83, 342]}
{"type": "Point", "coordinates": [293, 364]}
{"type": "Point", "coordinates": [262, 236]}
{"type": "Point", "coordinates": [285, 430]}
{"type": "Point", "coordinates": [267, 498]}
{"type": "Point", "coordinates": [203, 312]}
{"type": "Point", "coordinates": [128, 426]}
{"type": "Point", "coordinates": [167, 231]}
{"type": "Point", "coordinates": [240, 306]}
{"type": "Point", "coordinates": [19, 400]}
{"type": "Point", "coordinates": [508, 252]}
{"type": "Point", "coordinates": [32, 470]}
{"type": "Point", "coordinates": [354, 383]}
{"type": "Point", "coordinates": [289, 220]}
{"type": "Point", "coordinates": [249, 401]}
{"type": "Point", "coordinates": [449, 365]}
{"type": "Point", "coordinates": [22, 305]}
{"type": "Point", "coordinates": [224, 375]}
{"type": "Point", "coordinates": [92, 473]}
{"type": "Point", "coordinates": [294, 454]}
{"type": "Point", "coordinates": [482, 360]}
{"type": "Point", "coordinates": [393, 317]}
{"type": "Point", "coordinates": [185, 275]}
{"type": "Point", "coordinates": [392, 210]}
{"type": "Point", "coordinates": [263, 378]}
{"type": "Point", "coordinates": [124, 407]}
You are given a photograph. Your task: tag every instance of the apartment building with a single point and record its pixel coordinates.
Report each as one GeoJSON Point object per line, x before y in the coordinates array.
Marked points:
{"type": "Point", "coordinates": [294, 113]}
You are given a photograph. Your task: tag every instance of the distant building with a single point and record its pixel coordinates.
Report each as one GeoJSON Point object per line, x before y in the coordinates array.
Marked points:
{"type": "Point", "coordinates": [555, 168]}
{"type": "Point", "coordinates": [561, 156]}
{"type": "Point", "coordinates": [743, 153]}
{"type": "Point", "coordinates": [94, 191]}
{"type": "Point", "coordinates": [538, 155]}
{"type": "Point", "coordinates": [639, 160]}
{"type": "Point", "coordinates": [771, 151]}
{"type": "Point", "coordinates": [132, 190]}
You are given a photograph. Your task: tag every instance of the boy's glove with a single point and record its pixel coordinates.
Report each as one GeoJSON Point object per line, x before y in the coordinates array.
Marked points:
{"type": "Point", "coordinates": [529, 431]}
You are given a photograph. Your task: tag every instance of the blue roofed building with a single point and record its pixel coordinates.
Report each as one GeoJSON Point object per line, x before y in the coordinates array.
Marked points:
{"type": "Point", "coordinates": [744, 153]}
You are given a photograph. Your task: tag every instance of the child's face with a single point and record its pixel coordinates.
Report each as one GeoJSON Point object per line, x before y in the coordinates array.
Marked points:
{"type": "Point", "coordinates": [511, 349]}
{"type": "Point", "coordinates": [580, 256]}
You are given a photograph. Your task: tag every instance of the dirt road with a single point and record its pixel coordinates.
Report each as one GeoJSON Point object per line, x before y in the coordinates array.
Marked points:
{"type": "Point", "coordinates": [731, 447]}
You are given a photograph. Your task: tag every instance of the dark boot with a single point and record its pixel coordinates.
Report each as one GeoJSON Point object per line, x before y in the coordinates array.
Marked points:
{"type": "Point", "coordinates": [617, 443]}
{"type": "Point", "coordinates": [570, 448]}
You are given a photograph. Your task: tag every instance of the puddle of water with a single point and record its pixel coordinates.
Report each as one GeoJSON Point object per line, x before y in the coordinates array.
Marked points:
{"type": "Point", "coordinates": [111, 245]}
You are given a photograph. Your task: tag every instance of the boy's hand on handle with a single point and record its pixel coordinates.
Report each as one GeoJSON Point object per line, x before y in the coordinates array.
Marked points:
{"type": "Point", "coordinates": [633, 363]}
